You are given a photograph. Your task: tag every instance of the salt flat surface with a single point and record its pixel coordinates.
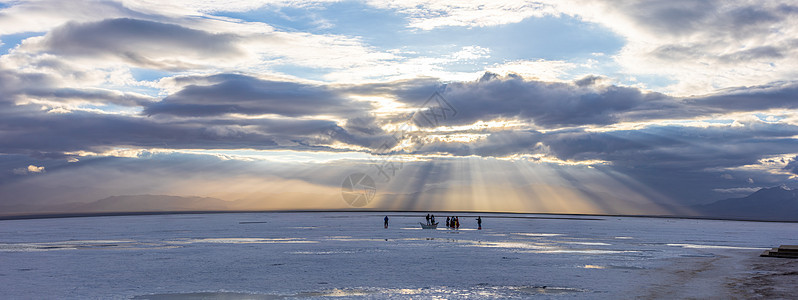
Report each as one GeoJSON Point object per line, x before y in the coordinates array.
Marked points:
{"type": "Point", "coordinates": [351, 255]}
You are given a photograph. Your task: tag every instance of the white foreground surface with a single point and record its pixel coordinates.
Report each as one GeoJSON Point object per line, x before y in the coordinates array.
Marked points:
{"type": "Point", "coordinates": [321, 255]}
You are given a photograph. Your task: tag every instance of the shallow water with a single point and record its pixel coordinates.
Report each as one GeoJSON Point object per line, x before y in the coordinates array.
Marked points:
{"type": "Point", "coordinates": [327, 255]}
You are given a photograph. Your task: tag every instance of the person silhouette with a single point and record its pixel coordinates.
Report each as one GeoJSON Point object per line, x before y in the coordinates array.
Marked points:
{"type": "Point", "coordinates": [427, 219]}
{"type": "Point", "coordinates": [432, 219]}
{"type": "Point", "coordinates": [479, 223]}
{"type": "Point", "coordinates": [447, 222]}
{"type": "Point", "coordinates": [386, 221]}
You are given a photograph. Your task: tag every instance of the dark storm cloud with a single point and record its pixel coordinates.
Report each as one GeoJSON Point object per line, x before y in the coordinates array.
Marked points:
{"type": "Point", "coordinates": [776, 96]}
{"type": "Point", "coordinates": [91, 95]}
{"type": "Point", "coordinates": [792, 166]}
{"type": "Point", "coordinates": [678, 147]}
{"type": "Point", "coordinates": [241, 94]}
{"type": "Point", "coordinates": [547, 104]}
{"type": "Point", "coordinates": [589, 80]}
{"type": "Point", "coordinates": [12, 83]}
{"type": "Point", "coordinates": [208, 100]}
{"type": "Point", "coordinates": [16, 85]}
{"type": "Point", "coordinates": [687, 17]}
{"type": "Point", "coordinates": [27, 130]}
{"type": "Point", "coordinates": [582, 102]}
{"type": "Point", "coordinates": [144, 43]}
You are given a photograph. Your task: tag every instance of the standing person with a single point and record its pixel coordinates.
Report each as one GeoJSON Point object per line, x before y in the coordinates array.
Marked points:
{"type": "Point", "coordinates": [456, 222]}
{"type": "Point", "coordinates": [447, 222]}
{"type": "Point", "coordinates": [432, 219]}
{"type": "Point", "coordinates": [386, 221]}
{"type": "Point", "coordinates": [479, 223]}
{"type": "Point", "coordinates": [427, 219]}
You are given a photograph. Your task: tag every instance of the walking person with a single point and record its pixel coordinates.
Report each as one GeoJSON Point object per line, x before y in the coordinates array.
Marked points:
{"type": "Point", "coordinates": [386, 221]}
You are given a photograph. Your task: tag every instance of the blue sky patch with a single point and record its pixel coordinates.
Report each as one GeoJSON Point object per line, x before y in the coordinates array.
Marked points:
{"type": "Point", "coordinates": [11, 41]}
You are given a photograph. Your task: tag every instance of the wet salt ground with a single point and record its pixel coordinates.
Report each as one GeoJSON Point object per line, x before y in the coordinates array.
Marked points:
{"type": "Point", "coordinates": [326, 255]}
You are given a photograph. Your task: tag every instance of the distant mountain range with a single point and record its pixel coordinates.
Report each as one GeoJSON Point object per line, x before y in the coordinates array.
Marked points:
{"type": "Point", "coordinates": [770, 204]}
{"type": "Point", "coordinates": [767, 204]}
{"type": "Point", "coordinates": [153, 203]}
{"type": "Point", "coordinates": [167, 203]}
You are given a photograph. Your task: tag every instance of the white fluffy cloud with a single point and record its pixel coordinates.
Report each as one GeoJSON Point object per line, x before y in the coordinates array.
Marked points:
{"type": "Point", "coordinates": [29, 170]}
{"type": "Point", "coordinates": [704, 46]}
{"type": "Point", "coordinates": [545, 70]}
{"type": "Point", "coordinates": [430, 14]}
{"type": "Point", "coordinates": [700, 46]}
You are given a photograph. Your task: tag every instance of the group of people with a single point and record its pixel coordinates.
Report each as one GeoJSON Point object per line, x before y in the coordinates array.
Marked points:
{"type": "Point", "coordinates": [454, 222]}
{"type": "Point", "coordinates": [431, 219]}
{"type": "Point", "coordinates": [451, 222]}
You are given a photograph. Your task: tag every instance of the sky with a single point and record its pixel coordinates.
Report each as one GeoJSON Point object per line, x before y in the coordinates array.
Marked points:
{"type": "Point", "coordinates": [575, 106]}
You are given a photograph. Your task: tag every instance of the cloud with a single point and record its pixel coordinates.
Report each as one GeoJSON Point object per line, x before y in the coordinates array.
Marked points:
{"type": "Point", "coordinates": [547, 104]}
{"type": "Point", "coordinates": [589, 80]}
{"type": "Point", "coordinates": [29, 170]}
{"type": "Point", "coordinates": [45, 89]}
{"type": "Point", "coordinates": [585, 101]}
{"type": "Point", "coordinates": [753, 98]}
{"type": "Point", "coordinates": [705, 46]}
{"type": "Point", "coordinates": [172, 38]}
{"type": "Point", "coordinates": [27, 131]}
{"type": "Point", "coordinates": [41, 16]}
{"type": "Point", "coordinates": [792, 166]}
{"type": "Point", "coordinates": [139, 42]}
{"type": "Point", "coordinates": [207, 6]}
{"type": "Point", "coordinates": [427, 15]}
{"type": "Point", "coordinates": [239, 94]}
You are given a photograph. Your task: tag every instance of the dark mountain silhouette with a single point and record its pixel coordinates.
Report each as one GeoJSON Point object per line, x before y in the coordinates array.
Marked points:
{"type": "Point", "coordinates": [771, 204]}
{"type": "Point", "coordinates": [167, 203]}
